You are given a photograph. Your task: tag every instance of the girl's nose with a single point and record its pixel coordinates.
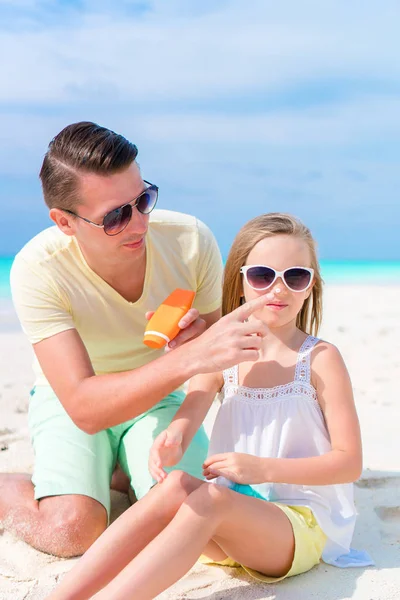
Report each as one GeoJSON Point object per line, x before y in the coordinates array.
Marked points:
{"type": "Point", "coordinates": [278, 287]}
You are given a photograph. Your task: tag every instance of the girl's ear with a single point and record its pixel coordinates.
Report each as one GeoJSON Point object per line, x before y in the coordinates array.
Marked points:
{"type": "Point", "coordinates": [308, 292]}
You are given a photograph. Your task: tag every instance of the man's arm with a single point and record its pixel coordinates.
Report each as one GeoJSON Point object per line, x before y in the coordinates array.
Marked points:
{"type": "Point", "coordinates": [66, 365]}
{"type": "Point", "coordinates": [96, 402]}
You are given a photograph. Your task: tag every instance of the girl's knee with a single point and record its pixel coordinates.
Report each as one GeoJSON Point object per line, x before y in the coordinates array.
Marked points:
{"type": "Point", "coordinates": [173, 492]}
{"type": "Point", "coordinates": [210, 499]}
{"type": "Point", "coordinates": [180, 482]}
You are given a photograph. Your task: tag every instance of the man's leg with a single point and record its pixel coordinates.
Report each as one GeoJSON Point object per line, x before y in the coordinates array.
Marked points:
{"type": "Point", "coordinates": [137, 440]}
{"type": "Point", "coordinates": [120, 482]}
{"type": "Point", "coordinates": [126, 537]}
{"type": "Point", "coordinates": [65, 507]}
{"type": "Point", "coordinates": [61, 525]}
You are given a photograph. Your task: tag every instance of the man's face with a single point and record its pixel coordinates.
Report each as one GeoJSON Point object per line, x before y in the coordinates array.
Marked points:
{"type": "Point", "coordinates": [99, 195]}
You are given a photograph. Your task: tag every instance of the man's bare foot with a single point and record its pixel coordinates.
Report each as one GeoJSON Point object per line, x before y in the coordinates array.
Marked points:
{"type": "Point", "coordinates": [120, 481]}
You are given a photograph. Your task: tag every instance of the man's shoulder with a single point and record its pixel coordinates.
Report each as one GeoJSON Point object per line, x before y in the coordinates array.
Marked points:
{"type": "Point", "coordinates": [161, 218]}
{"type": "Point", "coordinates": [169, 222]}
{"type": "Point", "coordinates": [43, 247]}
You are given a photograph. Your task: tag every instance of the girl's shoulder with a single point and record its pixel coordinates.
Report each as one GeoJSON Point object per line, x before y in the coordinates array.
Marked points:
{"type": "Point", "coordinates": [324, 350]}
{"type": "Point", "coordinates": [325, 359]}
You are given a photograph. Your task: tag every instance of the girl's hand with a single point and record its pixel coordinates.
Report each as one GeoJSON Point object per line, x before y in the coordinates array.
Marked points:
{"type": "Point", "coordinates": [238, 467]}
{"type": "Point", "coordinates": [166, 451]}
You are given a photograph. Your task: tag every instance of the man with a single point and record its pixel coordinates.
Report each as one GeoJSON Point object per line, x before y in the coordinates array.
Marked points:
{"type": "Point", "coordinates": [81, 290]}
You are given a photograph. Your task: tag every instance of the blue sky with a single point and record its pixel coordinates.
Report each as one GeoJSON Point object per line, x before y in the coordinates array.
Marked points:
{"type": "Point", "coordinates": [236, 108]}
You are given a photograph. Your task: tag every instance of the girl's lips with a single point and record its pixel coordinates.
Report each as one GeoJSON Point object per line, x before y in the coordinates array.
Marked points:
{"type": "Point", "coordinates": [276, 306]}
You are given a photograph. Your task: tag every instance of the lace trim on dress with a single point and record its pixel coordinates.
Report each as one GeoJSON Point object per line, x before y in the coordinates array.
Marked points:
{"type": "Point", "coordinates": [300, 386]}
{"type": "Point", "coordinates": [231, 376]}
{"type": "Point", "coordinates": [274, 394]}
{"type": "Point", "coordinates": [303, 370]}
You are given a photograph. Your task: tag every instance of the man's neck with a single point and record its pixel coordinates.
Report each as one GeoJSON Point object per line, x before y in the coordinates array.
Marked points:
{"type": "Point", "coordinates": [125, 276]}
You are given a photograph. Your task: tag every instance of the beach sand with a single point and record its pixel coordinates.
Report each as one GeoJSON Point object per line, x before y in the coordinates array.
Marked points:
{"type": "Point", "coordinates": [364, 322]}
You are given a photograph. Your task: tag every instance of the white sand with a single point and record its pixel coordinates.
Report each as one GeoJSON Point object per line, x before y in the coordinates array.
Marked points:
{"type": "Point", "coordinates": [364, 322]}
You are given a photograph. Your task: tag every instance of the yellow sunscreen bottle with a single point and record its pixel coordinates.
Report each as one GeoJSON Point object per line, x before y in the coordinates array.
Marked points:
{"type": "Point", "coordinates": [163, 325]}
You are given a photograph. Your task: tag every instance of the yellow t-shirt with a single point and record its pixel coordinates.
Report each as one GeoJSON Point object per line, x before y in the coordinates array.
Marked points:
{"type": "Point", "coordinates": [54, 289]}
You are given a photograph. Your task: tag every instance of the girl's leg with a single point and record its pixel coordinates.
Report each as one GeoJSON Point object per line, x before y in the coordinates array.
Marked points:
{"type": "Point", "coordinates": [251, 531]}
{"type": "Point", "coordinates": [125, 538]}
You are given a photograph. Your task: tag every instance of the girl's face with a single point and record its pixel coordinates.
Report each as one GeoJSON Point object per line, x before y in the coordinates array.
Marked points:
{"type": "Point", "coordinates": [279, 252]}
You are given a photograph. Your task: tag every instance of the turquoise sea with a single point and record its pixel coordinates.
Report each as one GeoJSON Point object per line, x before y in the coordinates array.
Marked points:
{"type": "Point", "coordinates": [5, 266]}
{"type": "Point", "coordinates": [333, 271]}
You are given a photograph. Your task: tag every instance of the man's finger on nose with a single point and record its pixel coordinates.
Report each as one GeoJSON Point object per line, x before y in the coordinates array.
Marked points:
{"type": "Point", "coordinates": [246, 310]}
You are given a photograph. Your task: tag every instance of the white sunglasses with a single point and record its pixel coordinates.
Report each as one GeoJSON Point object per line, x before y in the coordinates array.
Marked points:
{"type": "Point", "coordinates": [261, 277]}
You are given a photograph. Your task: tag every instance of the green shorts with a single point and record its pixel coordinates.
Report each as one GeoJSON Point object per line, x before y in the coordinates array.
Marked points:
{"type": "Point", "coordinates": [70, 461]}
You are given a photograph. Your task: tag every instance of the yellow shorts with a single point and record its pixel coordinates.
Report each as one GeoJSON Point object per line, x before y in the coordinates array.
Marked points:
{"type": "Point", "coordinates": [309, 544]}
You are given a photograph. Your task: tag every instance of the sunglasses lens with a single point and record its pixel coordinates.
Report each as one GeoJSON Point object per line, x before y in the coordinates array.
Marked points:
{"type": "Point", "coordinates": [297, 279]}
{"type": "Point", "coordinates": [147, 201]}
{"type": "Point", "coordinates": [259, 278]}
{"type": "Point", "coordinates": [117, 220]}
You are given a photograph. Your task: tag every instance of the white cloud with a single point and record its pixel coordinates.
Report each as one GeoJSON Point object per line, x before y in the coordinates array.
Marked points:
{"type": "Point", "coordinates": [355, 123]}
{"type": "Point", "coordinates": [208, 92]}
{"type": "Point", "coordinates": [350, 123]}
{"type": "Point", "coordinates": [238, 49]}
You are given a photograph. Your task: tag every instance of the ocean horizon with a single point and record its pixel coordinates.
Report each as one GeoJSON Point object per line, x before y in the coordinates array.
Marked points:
{"type": "Point", "coordinates": [333, 272]}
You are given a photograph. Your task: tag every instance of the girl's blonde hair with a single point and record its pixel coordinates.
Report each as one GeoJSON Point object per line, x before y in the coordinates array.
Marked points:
{"type": "Point", "coordinates": [310, 316]}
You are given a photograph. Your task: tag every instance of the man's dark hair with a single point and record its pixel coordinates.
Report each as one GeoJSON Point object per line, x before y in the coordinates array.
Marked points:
{"type": "Point", "coordinates": [83, 147]}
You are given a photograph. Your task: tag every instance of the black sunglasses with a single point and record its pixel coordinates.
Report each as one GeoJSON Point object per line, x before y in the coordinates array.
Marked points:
{"type": "Point", "coordinates": [116, 220]}
{"type": "Point", "coordinates": [261, 277]}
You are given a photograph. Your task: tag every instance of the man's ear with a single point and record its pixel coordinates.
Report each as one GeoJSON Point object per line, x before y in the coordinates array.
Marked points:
{"type": "Point", "coordinates": [63, 220]}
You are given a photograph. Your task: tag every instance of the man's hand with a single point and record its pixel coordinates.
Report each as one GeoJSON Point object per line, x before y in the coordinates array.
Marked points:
{"type": "Point", "coordinates": [235, 338]}
{"type": "Point", "coordinates": [235, 466]}
{"type": "Point", "coordinates": [191, 324]}
{"type": "Point", "coordinates": [166, 451]}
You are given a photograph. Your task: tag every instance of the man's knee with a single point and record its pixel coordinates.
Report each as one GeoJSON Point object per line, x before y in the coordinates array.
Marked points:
{"type": "Point", "coordinates": [76, 522]}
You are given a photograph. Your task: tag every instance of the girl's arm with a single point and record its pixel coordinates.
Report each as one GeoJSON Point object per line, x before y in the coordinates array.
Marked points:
{"type": "Point", "coordinates": [343, 464]}
{"type": "Point", "coordinates": [191, 414]}
{"type": "Point", "coordinates": [171, 444]}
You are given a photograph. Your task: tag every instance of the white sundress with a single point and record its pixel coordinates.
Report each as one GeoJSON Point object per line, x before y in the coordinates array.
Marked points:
{"type": "Point", "coordinates": [286, 421]}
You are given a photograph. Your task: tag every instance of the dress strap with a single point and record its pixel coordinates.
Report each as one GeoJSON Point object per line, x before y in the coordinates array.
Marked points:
{"type": "Point", "coordinates": [303, 370]}
{"type": "Point", "coordinates": [231, 376]}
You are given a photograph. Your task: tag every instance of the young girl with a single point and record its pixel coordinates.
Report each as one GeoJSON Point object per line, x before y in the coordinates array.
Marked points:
{"type": "Point", "coordinates": [284, 450]}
